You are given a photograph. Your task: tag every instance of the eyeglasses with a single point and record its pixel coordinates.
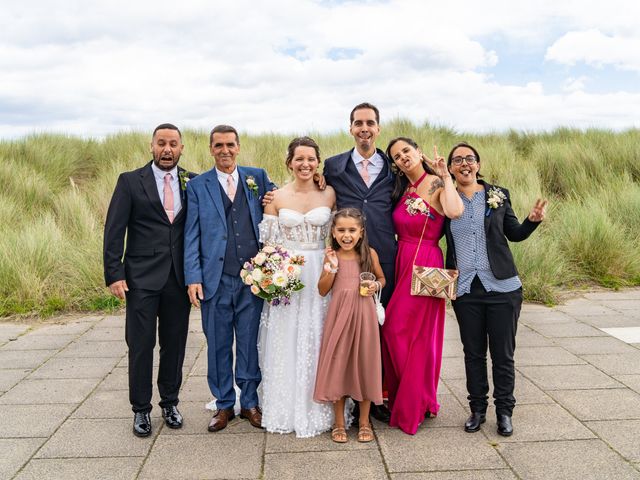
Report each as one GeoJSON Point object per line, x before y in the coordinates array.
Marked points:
{"type": "Point", "coordinates": [470, 159]}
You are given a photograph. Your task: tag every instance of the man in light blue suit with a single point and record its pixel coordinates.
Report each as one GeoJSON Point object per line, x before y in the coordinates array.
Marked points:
{"type": "Point", "coordinates": [221, 233]}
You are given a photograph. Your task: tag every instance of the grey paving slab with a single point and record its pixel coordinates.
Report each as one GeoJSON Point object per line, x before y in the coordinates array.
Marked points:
{"type": "Point", "coordinates": [452, 367]}
{"type": "Point", "coordinates": [582, 307]}
{"type": "Point", "coordinates": [195, 389]}
{"type": "Point", "coordinates": [111, 321]}
{"type": "Point", "coordinates": [81, 469]}
{"type": "Point", "coordinates": [278, 443]}
{"type": "Point", "coordinates": [38, 392]}
{"type": "Point", "coordinates": [626, 318]}
{"type": "Point", "coordinates": [84, 438]}
{"type": "Point", "coordinates": [27, 359]}
{"type": "Point", "coordinates": [620, 304]}
{"type": "Point", "coordinates": [543, 317]}
{"type": "Point", "coordinates": [106, 404]}
{"type": "Point", "coordinates": [200, 365]}
{"type": "Point", "coordinates": [82, 367]}
{"type": "Point", "coordinates": [11, 331]}
{"type": "Point", "coordinates": [608, 404]}
{"type": "Point", "coordinates": [452, 348]}
{"type": "Point", "coordinates": [21, 449]}
{"type": "Point", "coordinates": [622, 435]}
{"type": "Point", "coordinates": [205, 456]}
{"type": "Point", "coordinates": [39, 342]}
{"type": "Point", "coordinates": [570, 460]}
{"type": "Point", "coordinates": [503, 474]}
{"type": "Point", "coordinates": [104, 334]}
{"type": "Point", "coordinates": [345, 465]}
{"type": "Point", "coordinates": [33, 420]}
{"type": "Point", "coordinates": [73, 328]}
{"type": "Point", "coordinates": [576, 329]}
{"type": "Point", "coordinates": [436, 449]}
{"type": "Point", "coordinates": [94, 349]}
{"type": "Point", "coordinates": [616, 363]}
{"type": "Point", "coordinates": [525, 392]}
{"type": "Point", "coordinates": [196, 339]}
{"type": "Point", "coordinates": [545, 356]}
{"type": "Point", "coordinates": [538, 423]}
{"type": "Point", "coordinates": [116, 379]}
{"type": "Point", "coordinates": [190, 355]}
{"type": "Point", "coordinates": [528, 338]}
{"type": "Point", "coordinates": [452, 413]}
{"type": "Point", "coordinates": [594, 345]}
{"type": "Point", "coordinates": [8, 378]}
{"type": "Point", "coordinates": [558, 377]}
{"type": "Point", "coordinates": [631, 381]}
{"type": "Point", "coordinates": [625, 293]}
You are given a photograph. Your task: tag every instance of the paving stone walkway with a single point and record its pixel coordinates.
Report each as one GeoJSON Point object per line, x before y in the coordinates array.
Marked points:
{"type": "Point", "coordinates": [65, 411]}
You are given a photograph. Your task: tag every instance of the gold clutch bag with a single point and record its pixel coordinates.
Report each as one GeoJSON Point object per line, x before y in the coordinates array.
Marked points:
{"type": "Point", "coordinates": [434, 282]}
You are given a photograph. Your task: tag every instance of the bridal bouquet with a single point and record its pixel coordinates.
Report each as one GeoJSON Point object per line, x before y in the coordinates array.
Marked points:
{"type": "Point", "coordinates": [274, 274]}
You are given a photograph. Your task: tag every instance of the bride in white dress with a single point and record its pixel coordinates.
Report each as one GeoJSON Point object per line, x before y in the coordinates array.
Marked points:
{"type": "Point", "coordinates": [290, 335]}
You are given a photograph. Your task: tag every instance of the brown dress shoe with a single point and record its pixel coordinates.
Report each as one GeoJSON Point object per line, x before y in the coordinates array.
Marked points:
{"type": "Point", "coordinates": [254, 415]}
{"type": "Point", "coordinates": [221, 419]}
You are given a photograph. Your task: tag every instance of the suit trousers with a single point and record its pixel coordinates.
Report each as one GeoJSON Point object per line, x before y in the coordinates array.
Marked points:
{"type": "Point", "coordinates": [489, 317]}
{"type": "Point", "coordinates": [232, 311]}
{"type": "Point", "coordinates": [168, 311]}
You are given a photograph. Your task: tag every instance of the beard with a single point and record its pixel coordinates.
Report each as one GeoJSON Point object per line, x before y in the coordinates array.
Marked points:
{"type": "Point", "coordinates": [166, 162]}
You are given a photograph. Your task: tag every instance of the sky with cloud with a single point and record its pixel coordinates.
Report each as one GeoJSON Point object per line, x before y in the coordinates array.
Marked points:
{"type": "Point", "coordinates": [299, 66]}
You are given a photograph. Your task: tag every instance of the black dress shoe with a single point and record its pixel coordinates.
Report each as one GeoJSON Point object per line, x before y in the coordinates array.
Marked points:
{"type": "Point", "coordinates": [172, 417]}
{"type": "Point", "coordinates": [505, 427]}
{"type": "Point", "coordinates": [142, 424]}
{"type": "Point", "coordinates": [474, 421]}
{"type": "Point", "coordinates": [380, 413]}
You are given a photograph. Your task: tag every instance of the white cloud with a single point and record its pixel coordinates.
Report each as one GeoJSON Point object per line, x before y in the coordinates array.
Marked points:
{"type": "Point", "coordinates": [300, 65]}
{"type": "Point", "coordinates": [596, 49]}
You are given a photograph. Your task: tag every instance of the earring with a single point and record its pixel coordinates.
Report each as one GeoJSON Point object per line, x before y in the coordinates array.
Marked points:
{"type": "Point", "coordinates": [394, 169]}
{"type": "Point", "coordinates": [401, 174]}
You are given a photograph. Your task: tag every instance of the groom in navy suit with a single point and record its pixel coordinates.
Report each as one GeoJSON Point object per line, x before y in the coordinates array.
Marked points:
{"type": "Point", "coordinates": [362, 179]}
{"type": "Point", "coordinates": [221, 233]}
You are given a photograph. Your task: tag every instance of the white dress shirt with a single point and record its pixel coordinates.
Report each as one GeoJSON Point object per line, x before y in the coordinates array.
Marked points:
{"type": "Point", "coordinates": [222, 178]}
{"type": "Point", "coordinates": [375, 164]}
{"type": "Point", "coordinates": [175, 186]}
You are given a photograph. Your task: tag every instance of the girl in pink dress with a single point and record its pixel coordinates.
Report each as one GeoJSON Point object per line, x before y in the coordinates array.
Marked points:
{"type": "Point", "coordinates": [349, 363]}
{"type": "Point", "coordinates": [413, 331]}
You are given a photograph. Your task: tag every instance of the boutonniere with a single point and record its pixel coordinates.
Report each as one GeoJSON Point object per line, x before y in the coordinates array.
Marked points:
{"type": "Point", "coordinates": [416, 205]}
{"type": "Point", "coordinates": [252, 185]}
{"type": "Point", "coordinates": [183, 175]}
{"type": "Point", "coordinates": [495, 199]}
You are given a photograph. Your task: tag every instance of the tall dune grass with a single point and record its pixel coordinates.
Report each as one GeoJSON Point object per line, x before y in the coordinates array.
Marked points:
{"type": "Point", "coordinates": [56, 190]}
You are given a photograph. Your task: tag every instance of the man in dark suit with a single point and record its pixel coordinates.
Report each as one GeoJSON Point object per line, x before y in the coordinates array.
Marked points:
{"type": "Point", "coordinates": [148, 208]}
{"type": "Point", "coordinates": [362, 179]}
{"type": "Point", "coordinates": [221, 234]}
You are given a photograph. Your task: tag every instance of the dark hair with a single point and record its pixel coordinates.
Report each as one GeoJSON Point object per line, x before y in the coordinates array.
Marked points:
{"type": "Point", "coordinates": [167, 126]}
{"type": "Point", "coordinates": [401, 181]}
{"type": "Point", "coordinates": [363, 106]}
{"type": "Point", "coordinates": [223, 129]}
{"type": "Point", "coordinates": [301, 142]}
{"type": "Point", "coordinates": [475, 152]}
{"type": "Point", "coordinates": [362, 247]}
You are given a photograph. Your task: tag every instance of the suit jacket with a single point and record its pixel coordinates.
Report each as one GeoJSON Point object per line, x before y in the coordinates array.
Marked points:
{"type": "Point", "coordinates": [374, 201]}
{"type": "Point", "coordinates": [206, 225]}
{"type": "Point", "coordinates": [500, 225]}
{"type": "Point", "coordinates": [153, 244]}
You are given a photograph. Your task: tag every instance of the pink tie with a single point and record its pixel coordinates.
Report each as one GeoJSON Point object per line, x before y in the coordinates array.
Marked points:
{"type": "Point", "coordinates": [168, 197]}
{"type": "Point", "coordinates": [364, 173]}
{"type": "Point", "coordinates": [231, 188]}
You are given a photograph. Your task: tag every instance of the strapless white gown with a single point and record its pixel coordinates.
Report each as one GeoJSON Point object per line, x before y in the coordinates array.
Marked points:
{"type": "Point", "coordinates": [290, 336]}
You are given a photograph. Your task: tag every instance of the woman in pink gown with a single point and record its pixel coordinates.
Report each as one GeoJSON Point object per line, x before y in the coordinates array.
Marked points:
{"type": "Point", "coordinates": [414, 327]}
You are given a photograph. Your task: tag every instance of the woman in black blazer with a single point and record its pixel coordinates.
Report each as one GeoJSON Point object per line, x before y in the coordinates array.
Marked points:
{"type": "Point", "coordinates": [489, 293]}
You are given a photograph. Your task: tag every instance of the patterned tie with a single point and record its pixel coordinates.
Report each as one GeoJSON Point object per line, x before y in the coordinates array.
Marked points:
{"type": "Point", "coordinates": [231, 188]}
{"type": "Point", "coordinates": [168, 197]}
{"type": "Point", "coordinates": [364, 173]}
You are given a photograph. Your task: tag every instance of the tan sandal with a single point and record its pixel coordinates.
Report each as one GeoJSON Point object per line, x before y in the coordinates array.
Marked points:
{"type": "Point", "coordinates": [339, 435]}
{"type": "Point", "coordinates": [365, 434]}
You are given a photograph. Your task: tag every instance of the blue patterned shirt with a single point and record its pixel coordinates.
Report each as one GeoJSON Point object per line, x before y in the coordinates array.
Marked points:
{"type": "Point", "coordinates": [471, 249]}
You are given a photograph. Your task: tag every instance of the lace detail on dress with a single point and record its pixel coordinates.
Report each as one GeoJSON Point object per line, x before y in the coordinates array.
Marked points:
{"type": "Point", "coordinates": [269, 230]}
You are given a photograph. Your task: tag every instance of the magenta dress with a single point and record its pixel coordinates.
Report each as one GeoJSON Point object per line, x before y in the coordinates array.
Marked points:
{"type": "Point", "coordinates": [414, 328]}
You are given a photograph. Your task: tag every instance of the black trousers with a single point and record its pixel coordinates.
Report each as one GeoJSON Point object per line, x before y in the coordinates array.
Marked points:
{"type": "Point", "coordinates": [489, 318]}
{"type": "Point", "coordinates": [168, 311]}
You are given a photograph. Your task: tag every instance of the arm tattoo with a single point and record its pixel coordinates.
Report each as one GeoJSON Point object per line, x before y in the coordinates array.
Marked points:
{"type": "Point", "coordinates": [436, 184]}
